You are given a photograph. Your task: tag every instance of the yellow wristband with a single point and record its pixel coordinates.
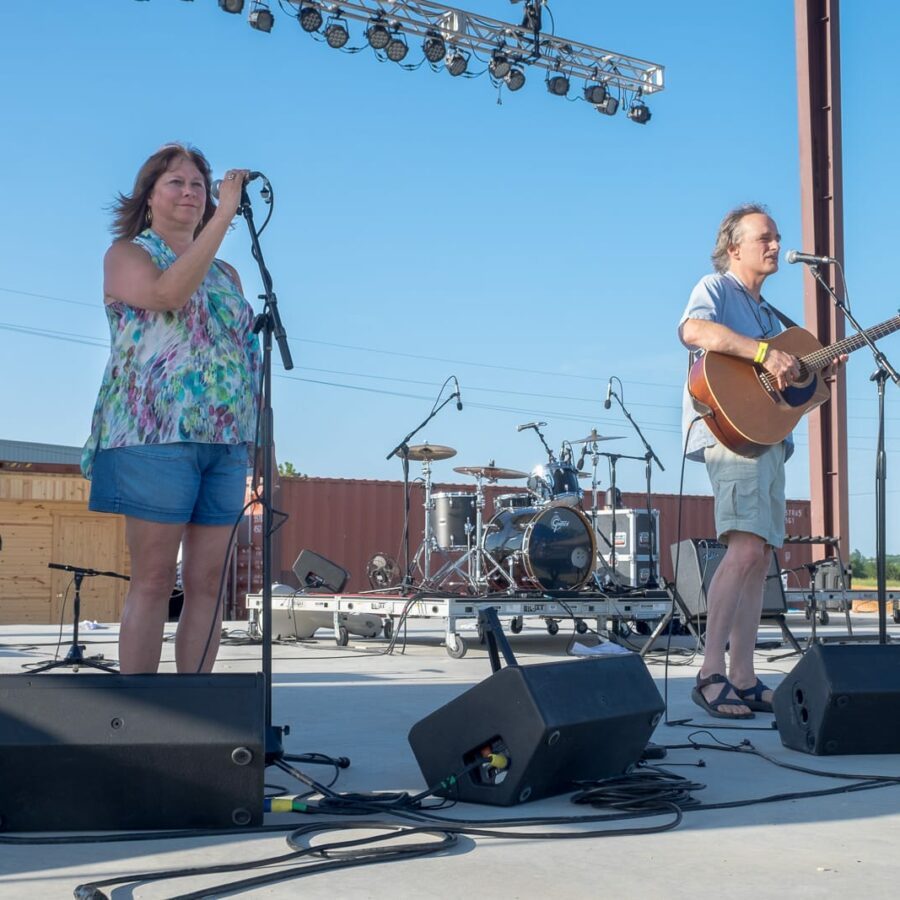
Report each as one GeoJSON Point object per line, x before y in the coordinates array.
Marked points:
{"type": "Point", "coordinates": [761, 352]}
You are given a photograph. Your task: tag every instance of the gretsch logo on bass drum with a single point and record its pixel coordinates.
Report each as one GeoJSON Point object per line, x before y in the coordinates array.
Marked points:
{"type": "Point", "coordinates": [558, 522]}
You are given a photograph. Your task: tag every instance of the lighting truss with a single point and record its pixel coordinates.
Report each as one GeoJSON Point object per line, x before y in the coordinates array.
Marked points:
{"type": "Point", "coordinates": [481, 36]}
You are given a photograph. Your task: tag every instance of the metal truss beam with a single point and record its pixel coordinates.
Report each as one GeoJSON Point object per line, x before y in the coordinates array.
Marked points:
{"type": "Point", "coordinates": [481, 35]}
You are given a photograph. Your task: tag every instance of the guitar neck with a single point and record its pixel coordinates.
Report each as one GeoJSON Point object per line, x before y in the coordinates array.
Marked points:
{"type": "Point", "coordinates": [813, 362]}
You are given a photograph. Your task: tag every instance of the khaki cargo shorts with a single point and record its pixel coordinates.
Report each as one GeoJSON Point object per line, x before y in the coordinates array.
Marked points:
{"type": "Point", "coordinates": [749, 492]}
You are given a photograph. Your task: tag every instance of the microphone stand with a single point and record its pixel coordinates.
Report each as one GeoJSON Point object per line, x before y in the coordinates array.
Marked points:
{"type": "Point", "coordinates": [402, 450]}
{"type": "Point", "coordinates": [75, 658]}
{"type": "Point", "coordinates": [267, 323]}
{"type": "Point", "coordinates": [649, 457]}
{"type": "Point", "coordinates": [883, 371]}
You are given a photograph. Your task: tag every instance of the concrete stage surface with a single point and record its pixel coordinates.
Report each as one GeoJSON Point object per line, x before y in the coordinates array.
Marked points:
{"type": "Point", "coordinates": [359, 702]}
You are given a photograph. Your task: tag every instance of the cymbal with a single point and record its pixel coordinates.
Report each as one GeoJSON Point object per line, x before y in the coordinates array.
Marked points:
{"type": "Point", "coordinates": [593, 436]}
{"type": "Point", "coordinates": [584, 474]}
{"type": "Point", "coordinates": [492, 473]}
{"type": "Point", "coordinates": [422, 452]}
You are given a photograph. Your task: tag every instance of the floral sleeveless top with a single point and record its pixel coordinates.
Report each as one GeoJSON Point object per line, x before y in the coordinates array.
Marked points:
{"type": "Point", "coordinates": [191, 374]}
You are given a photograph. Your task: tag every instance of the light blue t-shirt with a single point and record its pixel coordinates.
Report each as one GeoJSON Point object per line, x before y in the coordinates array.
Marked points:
{"type": "Point", "coordinates": [723, 299]}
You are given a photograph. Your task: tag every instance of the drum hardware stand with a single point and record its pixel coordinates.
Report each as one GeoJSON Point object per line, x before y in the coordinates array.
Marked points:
{"type": "Point", "coordinates": [427, 546]}
{"type": "Point", "coordinates": [883, 371]}
{"type": "Point", "coordinates": [402, 450]}
{"type": "Point", "coordinates": [75, 657]}
{"type": "Point", "coordinates": [649, 457]}
{"type": "Point", "coordinates": [475, 554]}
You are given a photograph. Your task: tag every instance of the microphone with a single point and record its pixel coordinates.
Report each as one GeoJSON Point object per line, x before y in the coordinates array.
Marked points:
{"type": "Point", "coordinates": [530, 425]}
{"type": "Point", "coordinates": [795, 256]}
{"type": "Point", "coordinates": [217, 184]}
{"type": "Point", "coordinates": [580, 464]}
{"type": "Point", "coordinates": [607, 403]}
{"type": "Point", "coordinates": [458, 395]}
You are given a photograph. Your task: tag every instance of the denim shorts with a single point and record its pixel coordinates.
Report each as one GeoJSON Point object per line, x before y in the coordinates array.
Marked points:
{"type": "Point", "coordinates": [749, 492]}
{"type": "Point", "coordinates": [174, 483]}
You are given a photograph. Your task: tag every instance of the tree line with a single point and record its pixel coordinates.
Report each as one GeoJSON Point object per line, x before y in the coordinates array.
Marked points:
{"type": "Point", "coordinates": [864, 566]}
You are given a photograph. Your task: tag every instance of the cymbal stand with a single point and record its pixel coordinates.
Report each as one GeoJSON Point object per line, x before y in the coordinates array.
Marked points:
{"type": "Point", "coordinates": [402, 450]}
{"type": "Point", "coordinates": [427, 545]}
{"type": "Point", "coordinates": [613, 573]}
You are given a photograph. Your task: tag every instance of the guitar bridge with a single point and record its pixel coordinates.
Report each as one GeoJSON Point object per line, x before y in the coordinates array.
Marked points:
{"type": "Point", "coordinates": [768, 385]}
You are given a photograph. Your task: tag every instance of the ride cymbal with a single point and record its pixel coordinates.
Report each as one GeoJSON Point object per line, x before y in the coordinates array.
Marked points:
{"type": "Point", "coordinates": [431, 452]}
{"type": "Point", "coordinates": [593, 436]}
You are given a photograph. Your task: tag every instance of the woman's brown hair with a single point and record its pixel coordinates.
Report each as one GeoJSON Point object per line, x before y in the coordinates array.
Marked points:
{"type": "Point", "coordinates": [130, 211]}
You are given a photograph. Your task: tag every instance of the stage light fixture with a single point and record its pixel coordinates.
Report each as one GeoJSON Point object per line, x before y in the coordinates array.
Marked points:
{"type": "Point", "coordinates": [377, 35]}
{"type": "Point", "coordinates": [499, 65]}
{"type": "Point", "coordinates": [261, 19]}
{"type": "Point", "coordinates": [434, 47]}
{"type": "Point", "coordinates": [609, 106]}
{"type": "Point", "coordinates": [336, 33]}
{"type": "Point", "coordinates": [594, 93]}
{"type": "Point", "coordinates": [456, 63]}
{"type": "Point", "coordinates": [310, 18]}
{"type": "Point", "coordinates": [558, 85]}
{"type": "Point", "coordinates": [515, 79]}
{"type": "Point", "coordinates": [232, 6]}
{"type": "Point", "coordinates": [397, 48]}
{"type": "Point", "coordinates": [638, 112]}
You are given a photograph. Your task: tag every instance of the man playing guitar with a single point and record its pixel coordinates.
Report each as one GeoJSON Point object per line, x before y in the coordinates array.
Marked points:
{"type": "Point", "coordinates": [727, 313]}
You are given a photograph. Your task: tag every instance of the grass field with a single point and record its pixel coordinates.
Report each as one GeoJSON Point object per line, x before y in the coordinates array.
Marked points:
{"type": "Point", "coordinates": [870, 584]}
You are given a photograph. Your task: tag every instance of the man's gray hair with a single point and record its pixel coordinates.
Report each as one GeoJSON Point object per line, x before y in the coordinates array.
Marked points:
{"type": "Point", "coordinates": [731, 232]}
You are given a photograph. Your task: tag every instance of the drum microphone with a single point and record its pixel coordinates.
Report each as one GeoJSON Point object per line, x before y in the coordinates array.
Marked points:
{"type": "Point", "coordinates": [607, 403]}
{"type": "Point", "coordinates": [580, 464]}
{"type": "Point", "coordinates": [795, 256]}
{"type": "Point", "coordinates": [458, 395]}
{"type": "Point", "coordinates": [217, 184]}
{"type": "Point", "coordinates": [530, 425]}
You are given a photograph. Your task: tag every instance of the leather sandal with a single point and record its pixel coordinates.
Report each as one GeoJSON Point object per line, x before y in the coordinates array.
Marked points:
{"type": "Point", "coordinates": [752, 697]}
{"type": "Point", "coordinates": [713, 706]}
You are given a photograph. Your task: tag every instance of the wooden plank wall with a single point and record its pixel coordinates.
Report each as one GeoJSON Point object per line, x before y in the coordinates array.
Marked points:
{"type": "Point", "coordinates": [44, 518]}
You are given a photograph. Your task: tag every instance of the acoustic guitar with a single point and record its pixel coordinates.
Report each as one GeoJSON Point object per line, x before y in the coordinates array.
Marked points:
{"type": "Point", "coordinates": [742, 406]}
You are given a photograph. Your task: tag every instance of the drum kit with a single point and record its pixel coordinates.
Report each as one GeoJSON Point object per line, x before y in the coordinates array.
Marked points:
{"type": "Point", "coordinates": [538, 539]}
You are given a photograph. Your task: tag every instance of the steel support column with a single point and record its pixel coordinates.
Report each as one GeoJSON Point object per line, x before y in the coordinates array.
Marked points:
{"type": "Point", "coordinates": [821, 186]}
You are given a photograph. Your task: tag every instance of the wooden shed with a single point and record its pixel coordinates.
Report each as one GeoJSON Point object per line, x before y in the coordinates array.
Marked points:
{"type": "Point", "coordinates": [44, 518]}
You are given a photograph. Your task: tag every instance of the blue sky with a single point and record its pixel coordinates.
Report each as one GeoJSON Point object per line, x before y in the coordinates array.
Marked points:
{"type": "Point", "coordinates": [533, 249]}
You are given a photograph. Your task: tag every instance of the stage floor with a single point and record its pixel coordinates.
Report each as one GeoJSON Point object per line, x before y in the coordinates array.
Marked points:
{"type": "Point", "coordinates": [358, 701]}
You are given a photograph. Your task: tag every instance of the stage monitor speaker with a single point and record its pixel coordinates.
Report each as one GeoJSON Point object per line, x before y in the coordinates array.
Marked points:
{"type": "Point", "coordinates": [314, 571]}
{"type": "Point", "coordinates": [99, 752]}
{"type": "Point", "coordinates": [552, 724]}
{"type": "Point", "coordinates": [695, 566]}
{"type": "Point", "coordinates": [841, 699]}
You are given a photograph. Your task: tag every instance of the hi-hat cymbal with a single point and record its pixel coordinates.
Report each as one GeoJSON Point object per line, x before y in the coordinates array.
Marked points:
{"type": "Point", "coordinates": [584, 474]}
{"type": "Point", "coordinates": [422, 452]}
{"type": "Point", "coordinates": [492, 473]}
{"type": "Point", "coordinates": [593, 436]}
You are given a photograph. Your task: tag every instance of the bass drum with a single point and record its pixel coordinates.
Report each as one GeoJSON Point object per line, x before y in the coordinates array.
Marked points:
{"type": "Point", "coordinates": [552, 548]}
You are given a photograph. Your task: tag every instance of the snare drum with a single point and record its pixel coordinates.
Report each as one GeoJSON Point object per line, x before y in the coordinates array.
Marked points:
{"type": "Point", "coordinates": [512, 501]}
{"type": "Point", "coordinates": [550, 548]}
{"type": "Point", "coordinates": [449, 517]}
{"type": "Point", "coordinates": [556, 481]}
